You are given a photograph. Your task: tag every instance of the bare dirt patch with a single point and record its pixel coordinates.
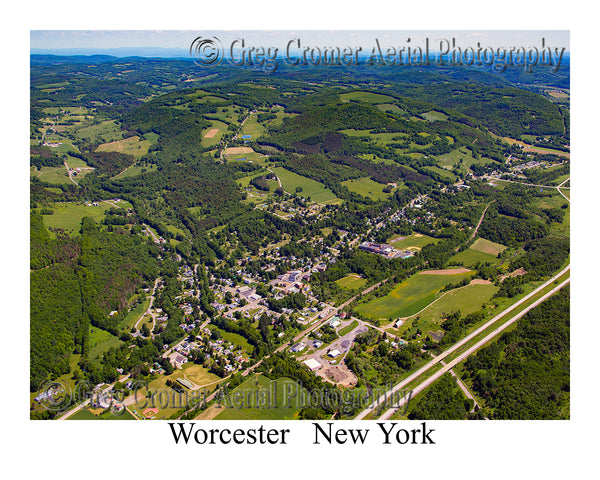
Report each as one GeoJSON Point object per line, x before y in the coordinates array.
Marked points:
{"type": "Point", "coordinates": [339, 374]}
{"type": "Point", "coordinates": [450, 271]}
{"type": "Point", "coordinates": [237, 150]}
{"type": "Point", "coordinates": [480, 281]}
{"type": "Point", "coordinates": [211, 133]}
{"type": "Point", "coordinates": [516, 273]}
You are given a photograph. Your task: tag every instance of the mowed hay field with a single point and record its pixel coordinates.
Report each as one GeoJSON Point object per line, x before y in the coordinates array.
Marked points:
{"type": "Point", "coordinates": [410, 296]}
{"type": "Point", "coordinates": [131, 146]}
{"type": "Point", "coordinates": [68, 215]}
{"type": "Point", "coordinates": [366, 97]}
{"type": "Point", "coordinates": [315, 190]}
{"type": "Point", "coordinates": [482, 250]}
{"type": "Point", "coordinates": [259, 398]}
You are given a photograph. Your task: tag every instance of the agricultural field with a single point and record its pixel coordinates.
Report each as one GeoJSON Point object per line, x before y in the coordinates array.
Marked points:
{"type": "Point", "coordinates": [482, 250]}
{"type": "Point", "coordinates": [213, 134]}
{"type": "Point", "coordinates": [390, 107]}
{"type": "Point", "coordinates": [68, 215]}
{"type": "Point", "coordinates": [55, 175]}
{"type": "Point", "coordinates": [462, 158]}
{"type": "Point", "coordinates": [252, 127]}
{"type": "Point", "coordinates": [367, 188]}
{"type": "Point", "coordinates": [468, 299]}
{"type": "Point", "coordinates": [85, 414]}
{"type": "Point", "coordinates": [416, 241]}
{"type": "Point", "coordinates": [443, 172]}
{"type": "Point", "coordinates": [366, 97]}
{"type": "Point", "coordinates": [263, 399]}
{"type": "Point", "coordinates": [434, 116]}
{"type": "Point", "coordinates": [130, 146]}
{"type": "Point", "coordinates": [410, 296]}
{"type": "Point", "coordinates": [310, 189]}
{"type": "Point", "coordinates": [104, 132]}
{"type": "Point", "coordinates": [351, 282]}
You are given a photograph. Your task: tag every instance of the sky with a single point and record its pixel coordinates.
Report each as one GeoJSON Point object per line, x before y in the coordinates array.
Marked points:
{"type": "Point", "coordinates": [98, 40]}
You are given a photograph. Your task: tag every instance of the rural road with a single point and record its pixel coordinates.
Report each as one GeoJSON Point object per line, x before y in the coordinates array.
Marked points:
{"type": "Point", "coordinates": [450, 365]}
{"type": "Point", "coordinates": [149, 309]}
{"type": "Point", "coordinates": [457, 345]}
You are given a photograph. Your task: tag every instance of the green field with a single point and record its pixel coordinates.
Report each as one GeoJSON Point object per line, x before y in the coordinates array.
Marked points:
{"type": "Point", "coordinates": [100, 342]}
{"type": "Point", "coordinates": [351, 282]}
{"type": "Point", "coordinates": [366, 97]}
{"type": "Point", "coordinates": [259, 398]}
{"type": "Point", "coordinates": [131, 146]}
{"type": "Point", "coordinates": [129, 321]}
{"type": "Point", "coordinates": [134, 170]}
{"type": "Point", "coordinates": [68, 215]}
{"type": "Point", "coordinates": [462, 158]}
{"type": "Point", "coordinates": [85, 414]}
{"type": "Point", "coordinates": [389, 107]}
{"type": "Point", "coordinates": [416, 241]}
{"type": "Point", "coordinates": [252, 127]}
{"type": "Point", "coordinates": [235, 339]}
{"type": "Point", "coordinates": [55, 175]}
{"type": "Point", "coordinates": [315, 190]}
{"type": "Point", "coordinates": [433, 116]}
{"type": "Point", "coordinates": [482, 250]}
{"type": "Point", "coordinates": [107, 131]}
{"type": "Point", "coordinates": [409, 297]}
{"type": "Point", "coordinates": [367, 188]}
{"type": "Point", "coordinates": [76, 162]}
{"type": "Point", "coordinates": [467, 300]}
{"type": "Point", "coordinates": [209, 142]}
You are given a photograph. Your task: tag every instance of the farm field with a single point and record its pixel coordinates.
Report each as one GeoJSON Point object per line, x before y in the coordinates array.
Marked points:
{"type": "Point", "coordinates": [442, 171]}
{"type": "Point", "coordinates": [389, 107]}
{"type": "Point", "coordinates": [76, 162]}
{"type": "Point", "coordinates": [410, 296]}
{"type": "Point", "coordinates": [367, 188]}
{"type": "Point", "coordinates": [259, 393]}
{"type": "Point", "coordinates": [351, 282]}
{"type": "Point", "coordinates": [213, 134]}
{"type": "Point", "coordinates": [468, 299]}
{"type": "Point", "coordinates": [316, 191]}
{"type": "Point", "coordinates": [106, 131]}
{"type": "Point", "coordinates": [463, 158]}
{"type": "Point", "coordinates": [252, 127]}
{"type": "Point", "coordinates": [433, 116]}
{"type": "Point", "coordinates": [68, 215]}
{"type": "Point", "coordinates": [416, 241]}
{"type": "Point", "coordinates": [482, 250]}
{"type": "Point", "coordinates": [366, 97]}
{"type": "Point", "coordinates": [131, 146]}
{"type": "Point", "coordinates": [55, 175]}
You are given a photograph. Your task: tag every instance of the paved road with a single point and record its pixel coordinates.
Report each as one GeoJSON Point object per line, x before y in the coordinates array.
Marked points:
{"type": "Point", "coordinates": [454, 347]}
{"type": "Point", "coordinates": [149, 309]}
{"type": "Point", "coordinates": [450, 365]}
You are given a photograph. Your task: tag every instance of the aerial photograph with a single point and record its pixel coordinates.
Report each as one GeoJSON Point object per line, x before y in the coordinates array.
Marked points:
{"type": "Point", "coordinates": [299, 225]}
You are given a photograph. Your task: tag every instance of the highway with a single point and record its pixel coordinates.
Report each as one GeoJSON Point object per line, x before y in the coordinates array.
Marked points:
{"type": "Point", "coordinates": [457, 345]}
{"type": "Point", "coordinates": [450, 365]}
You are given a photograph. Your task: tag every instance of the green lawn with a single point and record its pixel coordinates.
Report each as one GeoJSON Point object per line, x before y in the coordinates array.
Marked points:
{"type": "Point", "coordinates": [129, 321]}
{"type": "Point", "coordinates": [347, 329]}
{"type": "Point", "coordinates": [367, 188]}
{"type": "Point", "coordinates": [408, 297]}
{"type": "Point", "coordinates": [310, 188]}
{"type": "Point", "coordinates": [234, 338]}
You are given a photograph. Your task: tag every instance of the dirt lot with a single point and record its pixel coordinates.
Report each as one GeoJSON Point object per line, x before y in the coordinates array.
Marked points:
{"type": "Point", "coordinates": [237, 150]}
{"type": "Point", "coordinates": [480, 281]}
{"type": "Point", "coordinates": [211, 133]}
